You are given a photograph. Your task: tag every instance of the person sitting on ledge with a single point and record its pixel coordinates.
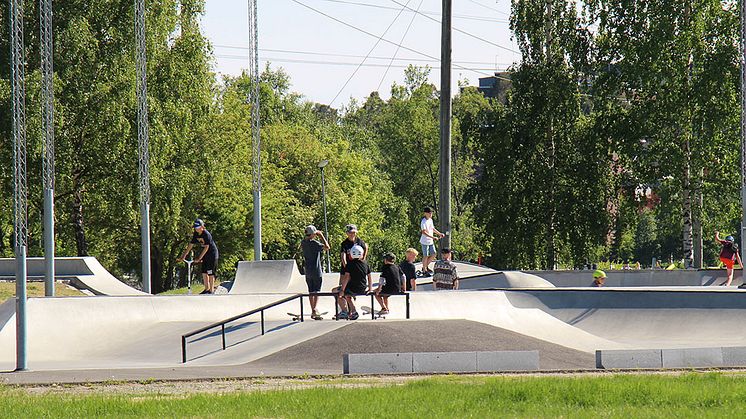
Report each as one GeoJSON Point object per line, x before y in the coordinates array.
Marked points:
{"type": "Point", "coordinates": [599, 278]}
{"type": "Point", "coordinates": [390, 282]}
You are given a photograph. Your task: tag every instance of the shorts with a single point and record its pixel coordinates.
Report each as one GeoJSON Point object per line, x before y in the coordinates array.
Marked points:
{"type": "Point", "coordinates": [354, 291]}
{"type": "Point", "coordinates": [443, 286]}
{"type": "Point", "coordinates": [209, 266]}
{"type": "Point", "coordinates": [428, 250]}
{"type": "Point", "coordinates": [314, 284]}
{"type": "Point", "coordinates": [390, 290]}
{"type": "Point", "coordinates": [728, 262]}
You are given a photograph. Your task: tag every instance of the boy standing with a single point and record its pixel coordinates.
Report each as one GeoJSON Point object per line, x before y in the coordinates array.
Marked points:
{"type": "Point", "coordinates": [312, 250]}
{"type": "Point", "coordinates": [208, 257]}
{"type": "Point", "coordinates": [728, 255]}
{"type": "Point", "coordinates": [347, 244]}
{"type": "Point", "coordinates": [408, 269]}
{"type": "Point", "coordinates": [428, 235]}
{"type": "Point", "coordinates": [446, 275]}
{"type": "Point", "coordinates": [357, 280]}
{"type": "Point", "coordinates": [390, 282]}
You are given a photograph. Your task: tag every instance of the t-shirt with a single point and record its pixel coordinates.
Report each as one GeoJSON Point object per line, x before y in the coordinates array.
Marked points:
{"type": "Point", "coordinates": [729, 250]}
{"type": "Point", "coordinates": [427, 225]}
{"type": "Point", "coordinates": [347, 245]}
{"type": "Point", "coordinates": [358, 271]}
{"type": "Point", "coordinates": [312, 250]}
{"type": "Point", "coordinates": [391, 278]}
{"type": "Point", "coordinates": [205, 239]}
{"type": "Point", "coordinates": [444, 274]}
{"type": "Point", "coordinates": [408, 269]}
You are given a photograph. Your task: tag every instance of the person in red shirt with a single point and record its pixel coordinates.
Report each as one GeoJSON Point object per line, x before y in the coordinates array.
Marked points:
{"type": "Point", "coordinates": [728, 255]}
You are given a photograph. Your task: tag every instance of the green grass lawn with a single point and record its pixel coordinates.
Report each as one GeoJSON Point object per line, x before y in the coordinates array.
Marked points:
{"type": "Point", "coordinates": [36, 289]}
{"type": "Point", "coordinates": [626, 396]}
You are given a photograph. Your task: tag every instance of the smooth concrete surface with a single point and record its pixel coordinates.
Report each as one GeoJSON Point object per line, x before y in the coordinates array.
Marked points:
{"type": "Point", "coordinates": [734, 356]}
{"type": "Point", "coordinates": [82, 272]}
{"type": "Point", "coordinates": [629, 359]}
{"type": "Point", "coordinates": [642, 277]}
{"type": "Point", "coordinates": [431, 362]}
{"type": "Point", "coordinates": [692, 357]}
{"type": "Point", "coordinates": [268, 276]}
{"type": "Point", "coordinates": [496, 361]}
{"type": "Point", "coordinates": [386, 363]}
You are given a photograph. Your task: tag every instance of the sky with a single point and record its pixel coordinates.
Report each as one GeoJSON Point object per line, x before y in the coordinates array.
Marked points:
{"type": "Point", "coordinates": [321, 54]}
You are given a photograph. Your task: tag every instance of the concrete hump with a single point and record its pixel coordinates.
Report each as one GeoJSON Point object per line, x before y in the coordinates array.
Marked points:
{"type": "Point", "coordinates": [268, 276]}
{"type": "Point", "coordinates": [517, 279]}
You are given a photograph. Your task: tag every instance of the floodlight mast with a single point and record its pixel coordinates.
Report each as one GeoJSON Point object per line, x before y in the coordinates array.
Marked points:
{"type": "Point", "coordinates": [143, 141]}
{"type": "Point", "coordinates": [47, 99]}
{"type": "Point", "coordinates": [255, 127]}
{"type": "Point", "coordinates": [743, 129]}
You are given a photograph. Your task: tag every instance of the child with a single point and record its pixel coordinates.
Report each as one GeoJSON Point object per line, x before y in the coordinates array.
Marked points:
{"type": "Point", "coordinates": [354, 283]}
{"type": "Point", "coordinates": [312, 250]}
{"type": "Point", "coordinates": [208, 257]}
{"type": "Point", "coordinates": [728, 255]}
{"type": "Point", "coordinates": [599, 278]}
{"type": "Point", "coordinates": [408, 269]}
{"type": "Point", "coordinates": [390, 282]}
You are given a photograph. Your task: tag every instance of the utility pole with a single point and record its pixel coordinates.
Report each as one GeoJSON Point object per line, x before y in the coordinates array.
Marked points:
{"type": "Point", "coordinates": [444, 210]}
{"type": "Point", "coordinates": [20, 191]}
{"type": "Point", "coordinates": [143, 141]}
{"type": "Point", "coordinates": [255, 127]}
{"type": "Point", "coordinates": [743, 129]}
{"type": "Point", "coordinates": [47, 99]}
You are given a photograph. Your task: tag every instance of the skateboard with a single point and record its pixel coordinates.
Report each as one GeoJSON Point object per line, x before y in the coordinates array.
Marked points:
{"type": "Point", "coordinates": [367, 310]}
{"type": "Point", "coordinates": [296, 317]}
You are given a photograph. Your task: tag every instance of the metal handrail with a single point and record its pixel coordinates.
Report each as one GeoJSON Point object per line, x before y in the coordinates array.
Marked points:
{"type": "Point", "coordinates": [261, 310]}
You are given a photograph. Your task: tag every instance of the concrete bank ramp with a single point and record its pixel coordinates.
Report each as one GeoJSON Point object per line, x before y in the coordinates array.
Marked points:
{"type": "Point", "coordinates": [268, 276]}
{"type": "Point", "coordinates": [82, 272]}
{"type": "Point", "coordinates": [506, 279]}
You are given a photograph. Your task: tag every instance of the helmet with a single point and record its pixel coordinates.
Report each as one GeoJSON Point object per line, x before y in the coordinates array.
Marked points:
{"type": "Point", "coordinates": [599, 274]}
{"type": "Point", "coordinates": [356, 252]}
{"type": "Point", "coordinates": [730, 239]}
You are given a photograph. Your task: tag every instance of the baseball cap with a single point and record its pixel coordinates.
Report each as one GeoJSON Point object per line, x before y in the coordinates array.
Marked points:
{"type": "Point", "coordinates": [350, 228]}
{"type": "Point", "coordinates": [310, 230]}
{"type": "Point", "coordinates": [389, 256]}
{"type": "Point", "coordinates": [198, 223]}
{"type": "Point", "coordinates": [445, 250]}
{"type": "Point", "coordinates": [427, 209]}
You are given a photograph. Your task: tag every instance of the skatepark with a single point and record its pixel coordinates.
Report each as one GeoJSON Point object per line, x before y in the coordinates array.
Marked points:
{"type": "Point", "coordinates": [120, 332]}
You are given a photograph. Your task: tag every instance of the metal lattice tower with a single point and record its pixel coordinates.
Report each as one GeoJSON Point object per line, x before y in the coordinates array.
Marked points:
{"type": "Point", "coordinates": [255, 127]}
{"type": "Point", "coordinates": [17, 63]}
{"type": "Point", "coordinates": [143, 140]}
{"type": "Point", "coordinates": [47, 99]}
{"type": "Point", "coordinates": [743, 128]}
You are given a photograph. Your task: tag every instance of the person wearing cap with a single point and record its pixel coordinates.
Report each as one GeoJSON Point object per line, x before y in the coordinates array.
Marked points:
{"type": "Point", "coordinates": [445, 276]}
{"type": "Point", "coordinates": [347, 244]}
{"type": "Point", "coordinates": [208, 257]}
{"type": "Point", "coordinates": [428, 235]}
{"type": "Point", "coordinates": [312, 250]}
{"type": "Point", "coordinates": [390, 282]}
{"type": "Point", "coordinates": [599, 278]}
{"type": "Point", "coordinates": [728, 255]}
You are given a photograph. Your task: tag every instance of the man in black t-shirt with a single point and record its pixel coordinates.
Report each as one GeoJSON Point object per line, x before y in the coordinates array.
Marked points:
{"type": "Point", "coordinates": [208, 257]}
{"type": "Point", "coordinates": [408, 269]}
{"type": "Point", "coordinates": [344, 249]}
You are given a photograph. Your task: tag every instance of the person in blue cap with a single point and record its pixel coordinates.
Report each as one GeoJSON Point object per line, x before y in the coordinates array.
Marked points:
{"type": "Point", "coordinates": [208, 257]}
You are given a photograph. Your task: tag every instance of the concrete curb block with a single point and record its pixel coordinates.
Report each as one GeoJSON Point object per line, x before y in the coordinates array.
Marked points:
{"type": "Point", "coordinates": [434, 362]}
{"type": "Point", "coordinates": [671, 358]}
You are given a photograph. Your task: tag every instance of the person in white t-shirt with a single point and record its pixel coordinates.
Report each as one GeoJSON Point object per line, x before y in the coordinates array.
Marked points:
{"type": "Point", "coordinates": [427, 239]}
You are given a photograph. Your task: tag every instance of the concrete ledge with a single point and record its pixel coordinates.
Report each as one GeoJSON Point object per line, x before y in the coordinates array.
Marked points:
{"type": "Point", "coordinates": [634, 358]}
{"type": "Point", "coordinates": [444, 362]}
{"type": "Point", "coordinates": [507, 361]}
{"type": "Point", "coordinates": [386, 363]}
{"type": "Point", "coordinates": [692, 358]}
{"type": "Point", "coordinates": [734, 356]}
{"type": "Point", "coordinates": [433, 362]}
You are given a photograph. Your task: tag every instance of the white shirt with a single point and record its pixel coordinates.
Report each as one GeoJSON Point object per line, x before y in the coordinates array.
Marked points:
{"type": "Point", "coordinates": [427, 225]}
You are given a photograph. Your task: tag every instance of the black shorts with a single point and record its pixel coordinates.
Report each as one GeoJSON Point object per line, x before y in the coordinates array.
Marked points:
{"type": "Point", "coordinates": [314, 284]}
{"type": "Point", "coordinates": [390, 290]}
{"type": "Point", "coordinates": [209, 266]}
{"type": "Point", "coordinates": [354, 291]}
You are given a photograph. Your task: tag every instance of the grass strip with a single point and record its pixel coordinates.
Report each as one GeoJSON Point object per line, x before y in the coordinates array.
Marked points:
{"type": "Point", "coordinates": [688, 395]}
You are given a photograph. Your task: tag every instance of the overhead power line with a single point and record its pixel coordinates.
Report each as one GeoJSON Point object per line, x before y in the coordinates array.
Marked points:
{"type": "Point", "coordinates": [461, 31]}
{"type": "Point", "coordinates": [401, 41]}
{"type": "Point", "coordinates": [382, 39]}
{"type": "Point", "coordinates": [456, 16]}
{"type": "Point", "coordinates": [488, 7]}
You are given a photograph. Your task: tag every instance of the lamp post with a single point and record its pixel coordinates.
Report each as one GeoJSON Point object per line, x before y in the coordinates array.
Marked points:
{"type": "Point", "coordinates": [322, 165]}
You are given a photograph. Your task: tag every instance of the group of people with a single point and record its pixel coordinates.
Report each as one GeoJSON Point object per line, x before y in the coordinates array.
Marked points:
{"type": "Point", "coordinates": [355, 275]}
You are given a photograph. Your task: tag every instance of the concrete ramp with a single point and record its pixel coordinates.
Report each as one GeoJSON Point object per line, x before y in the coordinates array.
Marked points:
{"type": "Point", "coordinates": [268, 276]}
{"type": "Point", "coordinates": [82, 272]}
{"type": "Point", "coordinates": [506, 279]}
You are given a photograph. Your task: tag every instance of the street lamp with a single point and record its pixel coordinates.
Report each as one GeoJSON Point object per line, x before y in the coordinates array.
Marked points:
{"type": "Point", "coordinates": [322, 165]}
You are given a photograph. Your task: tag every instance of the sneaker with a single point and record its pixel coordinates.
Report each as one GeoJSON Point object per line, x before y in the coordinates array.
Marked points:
{"type": "Point", "coordinates": [427, 274]}
{"type": "Point", "coordinates": [742, 286]}
{"type": "Point", "coordinates": [354, 315]}
{"type": "Point", "coordinates": [383, 312]}
{"type": "Point", "coordinates": [315, 315]}
{"type": "Point", "coordinates": [205, 292]}
{"type": "Point", "coordinates": [342, 315]}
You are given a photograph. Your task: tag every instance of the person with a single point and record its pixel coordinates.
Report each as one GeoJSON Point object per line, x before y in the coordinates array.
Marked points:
{"type": "Point", "coordinates": [357, 280]}
{"type": "Point", "coordinates": [347, 244]}
{"type": "Point", "coordinates": [390, 282]}
{"type": "Point", "coordinates": [728, 255]}
{"type": "Point", "coordinates": [445, 276]}
{"type": "Point", "coordinates": [428, 235]}
{"type": "Point", "coordinates": [408, 269]}
{"type": "Point", "coordinates": [312, 250]}
{"type": "Point", "coordinates": [208, 257]}
{"type": "Point", "coordinates": [599, 278]}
